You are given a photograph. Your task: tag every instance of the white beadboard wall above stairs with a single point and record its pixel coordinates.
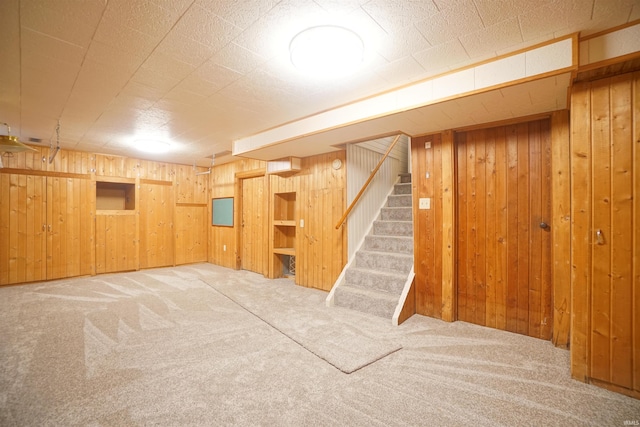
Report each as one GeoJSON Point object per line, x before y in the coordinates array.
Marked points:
{"type": "Point", "coordinates": [377, 279]}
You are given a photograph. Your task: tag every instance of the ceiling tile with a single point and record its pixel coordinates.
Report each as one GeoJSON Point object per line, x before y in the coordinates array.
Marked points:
{"type": "Point", "coordinates": [400, 72]}
{"type": "Point", "coordinates": [157, 80]}
{"type": "Point", "coordinates": [495, 11]}
{"type": "Point", "coordinates": [488, 41]}
{"type": "Point", "coordinates": [448, 24]}
{"type": "Point", "coordinates": [240, 13]}
{"type": "Point", "coordinates": [442, 57]}
{"type": "Point", "coordinates": [40, 44]}
{"type": "Point", "coordinates": [396, 15]}
{"type": "Point", "coordinates": [168, 66]}
{"type": "Point", "coordinates": [111, 57]}
{"type": "Point", "coordinates": [237, 58]}
{"type": "Point", "coordinates": [218, 76]}
{"type": "Point", "coordinates": [401, 43]}
{"type": "Point", "coordinates": [546, 20]}
{"type": "Point", "coordinates": [113, 33]}
{"type": "Point", "coordinates": [63, 19]}
{"type": "Point", "coordinates": [204, 27]}
{"type": "Point", "coordinates": [143, 16]}
{"type": "Point", "coordinates": [185, 49]}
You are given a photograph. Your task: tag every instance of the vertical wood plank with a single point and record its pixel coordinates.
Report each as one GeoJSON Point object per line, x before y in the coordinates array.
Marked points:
{"type": "Point", "coordinates": [448, 167]}
{"type": "Point", "coordinates": [463, 232]}
{"type": "Point", "coordinates": [621, 363]}
{"type": "Point", "coordinates": [535, 217]}
{"type": "Point", "coordinates": [490, 234]}
{"type": "Point", "coordinates": [580, 229]}
{"type": "Point", "coordinates": [546, 283]}
{"type": "Point", "coordinates": [523, 227]}
{"type": "Point", "coordinates": [512, 229]}
{"type": "Point", "coordinates": [501, 218]}
{"type": "Point", "coordinates": [561, 227]}
{"type": "Point", "coordinates": [601, 211]}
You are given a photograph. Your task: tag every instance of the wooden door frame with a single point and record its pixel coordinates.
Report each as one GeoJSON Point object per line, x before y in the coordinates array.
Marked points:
{"type": "Point", "coordinates": [238, 186]}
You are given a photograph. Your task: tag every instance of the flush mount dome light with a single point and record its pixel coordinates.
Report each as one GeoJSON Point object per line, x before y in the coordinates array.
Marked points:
{"type": "Point", "coordinates": [151, 145]}
{"type": "Point", "coordinates": [327, 51]}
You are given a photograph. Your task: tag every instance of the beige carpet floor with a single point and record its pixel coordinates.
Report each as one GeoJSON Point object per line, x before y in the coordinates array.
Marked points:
{"type": "Point", "coordinates": [201, 345]}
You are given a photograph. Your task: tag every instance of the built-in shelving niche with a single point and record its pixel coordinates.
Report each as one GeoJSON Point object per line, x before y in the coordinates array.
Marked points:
{"type": "Point", "coordinates": [114, 196]}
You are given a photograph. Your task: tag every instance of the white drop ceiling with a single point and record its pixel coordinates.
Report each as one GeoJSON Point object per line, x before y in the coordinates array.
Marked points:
{"type": "Point", "coordinates": [203, 73]}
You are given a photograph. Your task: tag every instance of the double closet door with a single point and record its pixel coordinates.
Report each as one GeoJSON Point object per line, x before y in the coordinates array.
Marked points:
{"type": "Point", "coordinates": [45, 228]}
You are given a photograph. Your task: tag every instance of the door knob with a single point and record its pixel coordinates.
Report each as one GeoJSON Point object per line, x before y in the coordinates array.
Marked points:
{"type": "Point", "coordinates": [544, 225]}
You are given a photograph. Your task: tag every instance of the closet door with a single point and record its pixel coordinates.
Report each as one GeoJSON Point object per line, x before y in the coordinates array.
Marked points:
{"type": "Point", "coordinates": [23, 224]}
{"type": "Point", "coordinates": [156, 224]}
{"type": "Point", "coordinates": [504, 222]}
{"type": "Point", "coordinates": [605, 162]}
{"type": "Point", "coordinates": [69, 227]}
{"type": "Point", "coordinates": [255, 231]}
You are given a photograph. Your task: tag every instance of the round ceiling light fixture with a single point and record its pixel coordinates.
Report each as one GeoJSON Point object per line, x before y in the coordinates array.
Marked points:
{"type": "Point", "coordinates": [152, 145]}
{"type": "Point", "coordinates": [327, 51]}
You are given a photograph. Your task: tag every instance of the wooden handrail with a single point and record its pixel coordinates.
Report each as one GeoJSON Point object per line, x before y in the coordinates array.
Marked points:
{"type": "Point", "coordinates": [366, 184]}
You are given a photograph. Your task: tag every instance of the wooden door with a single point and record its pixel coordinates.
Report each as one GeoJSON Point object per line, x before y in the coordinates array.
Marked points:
{"type": "Point", "coordinates": [254, 246]}
{"type": "Point", "coordinates": [320, 256]}
{"type": "Point", "coordinates": [69, 227]}
{"type": "Point", "coordinates": [23, 222]}
{"type": "Point", "coordinates": [605, 185]}
{"type": "Point", "coordinates": [503, 216]}
{"type": "Point", "coordinates": [156, 224]}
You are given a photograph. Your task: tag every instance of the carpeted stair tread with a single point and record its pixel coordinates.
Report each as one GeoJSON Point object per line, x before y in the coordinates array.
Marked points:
{"type": "Point", "coordinates": [398, 200]}
{"type": "Point", "coordinates": [396, 244]}
{"type": "Point", "coordinates": [384, 281]}
{"type": "Point", "coordinates": [392, 228]}
{"type": "Point", "coordinates": [384, 261]}
{"type": "Point", "coordinates": [402, 188]}
{"type": "Point", "coordinates": [401, 213]}
{"type": "Point", "coordinates": [369, 301]}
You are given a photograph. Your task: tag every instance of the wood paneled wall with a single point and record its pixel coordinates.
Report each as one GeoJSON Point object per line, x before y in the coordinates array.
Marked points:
{"type": "Point", "coordinates": [605, 254]}
{"type": "Point", "coordinates": [320, 201]}
{"type": "Point", "coordinates": [50, 228]}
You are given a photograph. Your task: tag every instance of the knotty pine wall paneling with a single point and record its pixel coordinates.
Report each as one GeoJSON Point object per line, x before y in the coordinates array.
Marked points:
{"type": "Point", "coordinates": [561, 230]}
{"type": "Point", "coordinates": [434, 232]}
{"type": "Point", "coordinates": [191, 244]}
{"type": "Point", "coordinates": [157, 240]}
{"type": "Point", "coordinates": [320, 199]}
{"type": "Point", "coordinates": [224, 183]}
{"type": "Point", "coordinates": [605, 255]}
{"type": "Point", "coordinates": [52, 208]}
{"type": "Point", "coordinates": [117, 247]}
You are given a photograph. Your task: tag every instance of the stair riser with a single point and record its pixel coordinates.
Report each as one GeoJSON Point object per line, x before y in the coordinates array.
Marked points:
{"type": "Point", "coordinates": [384, 261]}
{"type": "Point", "coordinates": [402, 189]}
{"type": "Point", "coordinates": [396, 214]}
{"type": "Point", "coordinates": [371, 280]}
{"type": "Point", "coordinates": [393, 228]}
{"type": "Point", "coordinates": [398, 245]}
{"type": "Point", "coordinates": [402, 200]}
{"type": "Point", "coordinates": [365, 304]}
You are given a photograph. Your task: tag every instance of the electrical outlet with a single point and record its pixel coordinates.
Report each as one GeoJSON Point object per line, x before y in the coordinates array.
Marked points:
{"type": "Point", "coordinates": [427, 144]}
{"type": "Point", "coordinates": [301, 223]}
{"type": "Point", "coordinates": [424, 203]}
{"type": "Point", "coordinates": [224, 248]}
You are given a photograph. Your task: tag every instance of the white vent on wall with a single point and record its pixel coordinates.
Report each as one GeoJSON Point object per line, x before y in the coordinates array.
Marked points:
{"type": "Point", "coordinates": [284, 166]}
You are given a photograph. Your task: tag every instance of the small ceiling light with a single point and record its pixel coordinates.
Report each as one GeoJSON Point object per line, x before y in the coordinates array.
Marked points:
{"type": "Point", "coordinates": [327, 51]}
{"type": "Point", "coordinates": [152, 146]}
